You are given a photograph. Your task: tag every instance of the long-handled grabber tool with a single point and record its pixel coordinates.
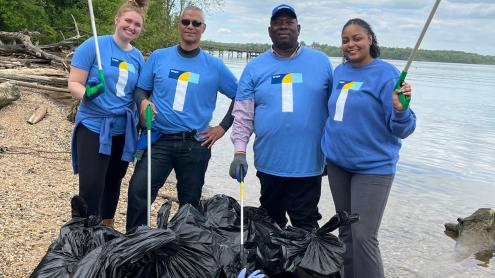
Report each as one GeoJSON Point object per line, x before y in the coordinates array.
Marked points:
{"type": "Point", "coordinates": [404, 100]}
{"type": "Point", "coordinates": [241, 184]}
{"type": "Point", "coordinates": [97, 47]}
{"type": "Point", "coordinates": [149, 118]}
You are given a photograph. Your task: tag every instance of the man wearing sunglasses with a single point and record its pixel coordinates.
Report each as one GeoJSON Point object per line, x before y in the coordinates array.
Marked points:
{"type": "Point", "coordinates": [282, 97]}
{"type": "Point", "coordinates": [180, 83]}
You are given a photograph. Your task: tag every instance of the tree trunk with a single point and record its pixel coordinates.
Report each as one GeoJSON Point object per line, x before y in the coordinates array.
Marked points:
{"type": "Point", "coordinates": [25, 39]}
{"type": "Point", "coordinates": [44, 80]}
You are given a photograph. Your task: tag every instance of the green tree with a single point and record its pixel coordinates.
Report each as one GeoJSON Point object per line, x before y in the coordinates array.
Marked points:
{"type": "Point", "coordinates": [53, 18]}
{"type": "Point", "coordinates": [25, 14]}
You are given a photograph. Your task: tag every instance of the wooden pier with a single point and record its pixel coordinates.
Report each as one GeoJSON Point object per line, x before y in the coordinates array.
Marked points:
{"type": "Point", "coordinates": [233, 50]}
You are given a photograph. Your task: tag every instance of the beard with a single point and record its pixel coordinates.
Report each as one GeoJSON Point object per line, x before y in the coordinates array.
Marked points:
{"type": "Point", "coordinates": [285, 45]}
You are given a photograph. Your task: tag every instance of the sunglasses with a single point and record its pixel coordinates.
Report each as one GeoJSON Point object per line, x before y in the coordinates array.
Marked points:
{"type": "Point", "coordinates": [186, 22]}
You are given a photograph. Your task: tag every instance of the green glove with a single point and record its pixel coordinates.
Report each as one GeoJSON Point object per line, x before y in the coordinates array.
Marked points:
{"type": "Point", "coordinates": [93, 89]}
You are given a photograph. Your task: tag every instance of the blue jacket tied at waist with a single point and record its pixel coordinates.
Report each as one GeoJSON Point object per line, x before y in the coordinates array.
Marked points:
{"type": "Point", "coordinates": [90, 109]}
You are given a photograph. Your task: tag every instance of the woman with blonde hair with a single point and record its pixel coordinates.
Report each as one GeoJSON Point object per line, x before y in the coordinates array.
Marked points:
{"type": "Point", "coordinates": [105, 131]}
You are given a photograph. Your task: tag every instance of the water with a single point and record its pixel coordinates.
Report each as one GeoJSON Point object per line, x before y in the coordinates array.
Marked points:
{"type": "Point", "coordinates": [445, 171]}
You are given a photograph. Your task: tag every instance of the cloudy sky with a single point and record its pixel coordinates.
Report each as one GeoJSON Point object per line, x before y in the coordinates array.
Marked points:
{"type": "Point", "coordinates": [465, 25]}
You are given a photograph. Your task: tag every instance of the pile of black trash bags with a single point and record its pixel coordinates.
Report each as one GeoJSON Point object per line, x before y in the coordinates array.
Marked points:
{"type": "Point", "coordinates": [202, 242]}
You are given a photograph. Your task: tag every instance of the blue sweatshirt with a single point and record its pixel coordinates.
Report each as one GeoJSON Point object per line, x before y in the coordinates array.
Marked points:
{"type": "Point", "coordinates": [289, 97]}
{"type": "Point", "coordinates": [363, 131]}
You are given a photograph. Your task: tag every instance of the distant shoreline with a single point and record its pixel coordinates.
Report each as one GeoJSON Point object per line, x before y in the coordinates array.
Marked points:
{"type": "Point", "coordinates": [389, 53]}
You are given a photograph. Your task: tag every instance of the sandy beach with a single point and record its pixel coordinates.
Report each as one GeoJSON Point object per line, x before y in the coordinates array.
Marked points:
{"type": "Point", "coordinates": [38, 183]}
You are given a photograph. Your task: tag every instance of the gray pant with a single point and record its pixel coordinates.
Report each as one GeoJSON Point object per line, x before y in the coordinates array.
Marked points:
{"type": "Point", "coordinates": [366, 195]}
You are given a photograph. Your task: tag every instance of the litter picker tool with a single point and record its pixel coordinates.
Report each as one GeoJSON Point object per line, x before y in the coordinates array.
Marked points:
{"type": "Point", "coordinates": [149, 117]}
{"type": "Point", "coordinates": [97, 47]}
{"type": "Point", "coordinates": [241, 184]}
{"type": "Point", "coordinates": [404, 100]}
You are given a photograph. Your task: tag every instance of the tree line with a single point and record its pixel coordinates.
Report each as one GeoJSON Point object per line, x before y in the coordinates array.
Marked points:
{"type": "Point", "coordinates": [393, 53]}
{"type": "Point", "coordinates": [53, 19]}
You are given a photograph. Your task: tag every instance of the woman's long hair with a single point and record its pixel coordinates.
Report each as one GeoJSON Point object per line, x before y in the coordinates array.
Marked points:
{"type": "Point", "coordinates": [374, 47]}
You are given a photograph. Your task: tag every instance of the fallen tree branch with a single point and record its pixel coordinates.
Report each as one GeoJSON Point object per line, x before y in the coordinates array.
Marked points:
{"type": "Point", "coordinates": [52, 81]}
{"type": "Point", "coordinates": [7, 49]}
{"type": "Point", "coordinates": [11, 62]}
{"type": "Point", "coordinates": [42, 87]}
{"type": "Point", "coordinates": [25, 38]}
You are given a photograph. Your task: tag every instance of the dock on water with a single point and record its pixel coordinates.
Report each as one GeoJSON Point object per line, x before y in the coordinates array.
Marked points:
{"type": "Point", "coordinates": [231, 50]}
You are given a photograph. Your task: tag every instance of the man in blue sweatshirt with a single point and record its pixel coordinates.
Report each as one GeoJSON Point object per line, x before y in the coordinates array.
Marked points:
{"type": "Point", "coordinates": [183, 81]}
{"type": "Point", "coordinates": [282, 97]}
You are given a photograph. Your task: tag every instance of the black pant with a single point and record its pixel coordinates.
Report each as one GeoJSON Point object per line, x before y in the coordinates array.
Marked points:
{"type": "Point", "coordinates": [298, 197]}
{"type": "Point", "coordinates": [183, 154]}
{"type": "Point", "coordinates": [100, 175]}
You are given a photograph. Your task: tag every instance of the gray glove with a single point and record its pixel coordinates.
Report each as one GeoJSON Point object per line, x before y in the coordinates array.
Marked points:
{"type": "Point", "coordinates": [238, 166]}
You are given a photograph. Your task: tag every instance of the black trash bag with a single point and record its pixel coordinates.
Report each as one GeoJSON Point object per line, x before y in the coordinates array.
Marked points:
{"type": "Point", "coordinates": [313, 254]}
{"type": "Point", "coordinates": [261, 252]}
{"type": "Point", "coordinates": [163, 214]}
{"type": "Point", "coordinates": [193, 227]}
{"type": "Point", "coordinates": [217, 223]}
{"type": "Point", "coordinates": [342, 218]}
{"type": "Point", "coordinates": [77, 238]}
{"type": "Point", "coordinates": [149, 252]}
{"type": "Point", "coordinates": [189, 247]}
{"type": "Point", "coordinates": [223, 212]}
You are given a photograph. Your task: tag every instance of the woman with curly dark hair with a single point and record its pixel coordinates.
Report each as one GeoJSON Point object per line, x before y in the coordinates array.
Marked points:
{"type": "Point", "coordinates": [361, 143]}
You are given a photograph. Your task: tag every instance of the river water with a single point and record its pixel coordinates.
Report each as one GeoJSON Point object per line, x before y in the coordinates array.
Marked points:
{"type": "Point", "coordinates": [446, 169]}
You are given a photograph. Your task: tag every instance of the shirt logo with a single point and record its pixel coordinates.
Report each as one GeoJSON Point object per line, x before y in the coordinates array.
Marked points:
{"type": "Point", "coordinates": [124, 69]}
{"type": "Point", "coordinates": [287, 79]}
{"type": "Point", "coordinates": [183, 79]}
{"type": "Point", "coordinates": [344, 87]}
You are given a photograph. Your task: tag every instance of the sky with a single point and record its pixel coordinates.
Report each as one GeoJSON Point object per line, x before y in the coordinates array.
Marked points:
{"type": "Point", "coordinates": [463, 25]}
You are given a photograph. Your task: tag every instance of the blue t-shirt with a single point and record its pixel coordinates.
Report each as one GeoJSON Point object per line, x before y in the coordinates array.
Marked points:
{"type": "Point", "coordinates": [290, 96]}
{"type": "Point", "coordinates": [121, 69]}
{"type": "Point", "coordinates": [363, 130]}
{"type": "Point", "coordinates": [185, 88]}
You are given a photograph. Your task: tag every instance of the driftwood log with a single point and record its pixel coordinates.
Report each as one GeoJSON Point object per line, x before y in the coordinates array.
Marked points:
{"type": "Point", "coordinates": [27, 46]}
{"type": "Point", "coordinates": [25, 39]}
{"type": "Point", "coordinates": [13, 62]}
{"type": "Point", "coordinates": [38, 114]}
{"type": "Point", "coordinates": [41, 87]}
{"type": "Point", "coordinates": [43, 80]}
{"type": "Point", "coordinates": [27, 64]}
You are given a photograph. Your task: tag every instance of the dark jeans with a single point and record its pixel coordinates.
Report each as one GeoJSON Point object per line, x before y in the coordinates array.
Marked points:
{"type": "Point", "coordinates": [183, 154]}
{"type": "Point", "coordinates": [367, 196]}
{"type": "Point", "coordinates": [298, 197]}
{"type": "Point", "coordinates": [100, 175]}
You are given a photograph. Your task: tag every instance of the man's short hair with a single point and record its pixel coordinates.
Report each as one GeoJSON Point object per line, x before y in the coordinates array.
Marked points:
{"type": "Point", "coordinates": [193, 8]}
